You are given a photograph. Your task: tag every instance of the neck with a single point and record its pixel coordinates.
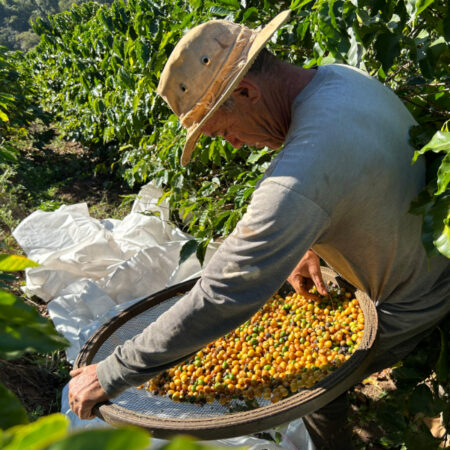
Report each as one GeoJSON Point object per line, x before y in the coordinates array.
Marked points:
{"type": "Point", "coordinates": [278, 96]}
{"type": "Point", "coordinates": [297, 79]}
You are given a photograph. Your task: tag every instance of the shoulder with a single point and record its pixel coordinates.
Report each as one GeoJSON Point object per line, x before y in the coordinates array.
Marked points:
{"type": "Point", "coordinates": [343, 122]}
{"type": "Point", "coordinates": [342, 86]}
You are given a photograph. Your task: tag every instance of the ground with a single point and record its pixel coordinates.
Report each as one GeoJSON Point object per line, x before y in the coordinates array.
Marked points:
{"type": "Point", "coordinates": [362, 397]}
{"type": "Point", "coordinates": [51, 172]}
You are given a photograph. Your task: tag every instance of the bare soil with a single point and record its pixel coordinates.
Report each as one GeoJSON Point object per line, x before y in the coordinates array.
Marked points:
{"type": "Point", "coordinates": [362, 397]}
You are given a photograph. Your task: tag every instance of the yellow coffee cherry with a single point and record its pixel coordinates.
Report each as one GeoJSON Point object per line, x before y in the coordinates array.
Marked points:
{"type": "Point", "coordinates": [289, 345]}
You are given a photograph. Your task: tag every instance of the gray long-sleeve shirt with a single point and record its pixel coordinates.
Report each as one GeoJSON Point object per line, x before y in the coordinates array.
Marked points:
{"type": "Point", "coordinates": [342, 185]}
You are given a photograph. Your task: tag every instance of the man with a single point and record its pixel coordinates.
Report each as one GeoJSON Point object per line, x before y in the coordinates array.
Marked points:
{"type": "Point", "coordinates": [341, 186]}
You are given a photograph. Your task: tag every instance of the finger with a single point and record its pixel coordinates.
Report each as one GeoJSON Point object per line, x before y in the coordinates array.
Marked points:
{"type": "Point", "coordinates": [320, 285]}
{"type": "Point", "coordinates": [305, 288]}
{"type": "Point", "coordinates": [75, 372]}
{"type": "Point", "coordinates": [304, 285]}
{"type": "Point", "coordinates": [297, 283]}
{"type": "Point", "coordinates": [71, 394]}
{"type": "Point", "coordinates": [73, 406]}
{"type": "Point", "coordinates": [86, 412]}
{"type": "Point", "coordinates": [76, 407]}
{"type": "Point", "coordinates": [77, 411]}
{"type": "Point", "coordinates": [316, 276]}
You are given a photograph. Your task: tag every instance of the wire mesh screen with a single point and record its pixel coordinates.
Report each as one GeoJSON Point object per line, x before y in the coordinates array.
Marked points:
{"type": "Point", "coordinates": [141, 400]}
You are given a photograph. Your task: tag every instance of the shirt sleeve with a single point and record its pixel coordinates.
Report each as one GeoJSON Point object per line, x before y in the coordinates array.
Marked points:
{"type": "Point", "coordinates": [252, 263]}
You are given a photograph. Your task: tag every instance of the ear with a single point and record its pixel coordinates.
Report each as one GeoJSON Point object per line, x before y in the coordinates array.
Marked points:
{"type": "Point", "coordinates": [248, 89]}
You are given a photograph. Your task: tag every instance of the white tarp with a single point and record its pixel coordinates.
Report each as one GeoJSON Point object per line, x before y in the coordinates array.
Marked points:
{"type": "Point", "coordinates": [92, 269]}
{"type": "Point", "coordinates": [89, 267]}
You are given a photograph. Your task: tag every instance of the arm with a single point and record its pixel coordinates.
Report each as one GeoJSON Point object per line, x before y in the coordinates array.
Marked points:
{"type": "Point", "coordinates": [247, 269]}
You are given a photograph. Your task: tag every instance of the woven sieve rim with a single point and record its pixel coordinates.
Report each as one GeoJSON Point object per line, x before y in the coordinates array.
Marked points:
{"type": "Point", "coordinates": [244, 422]}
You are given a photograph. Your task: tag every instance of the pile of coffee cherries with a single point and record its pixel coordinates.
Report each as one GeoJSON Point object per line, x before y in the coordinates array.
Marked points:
{"type": "Point", "coordinates": [290, 344]}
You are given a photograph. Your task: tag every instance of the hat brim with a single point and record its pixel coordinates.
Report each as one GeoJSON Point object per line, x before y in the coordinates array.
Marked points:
{"type": "Point", "coordinates": [258, 44]}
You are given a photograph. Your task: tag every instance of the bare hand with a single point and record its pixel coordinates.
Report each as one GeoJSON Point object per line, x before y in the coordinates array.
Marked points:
{"type": "Point", "coordinates": [306, 273]}
{"type": "Point", "coordinates": [85, 391]}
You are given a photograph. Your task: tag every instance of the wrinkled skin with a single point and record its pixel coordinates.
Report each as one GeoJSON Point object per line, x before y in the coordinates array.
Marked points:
{"type": "Point", "coordinates": [306, 274]}
{"type": "Point", "coordinates": [85, 391]}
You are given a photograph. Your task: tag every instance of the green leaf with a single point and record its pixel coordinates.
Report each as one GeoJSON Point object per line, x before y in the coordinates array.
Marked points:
{"type": "Point", "coordinates": [255, 156]}
{"type": "Point", "coordinates": [250, 14]}
{"type": "Point", "coordinates": [415, 7]}
{"type": "Point", "coordinates": [36, 435]}
{"type": "Point", "coordinates": [126, 79]}
{"type": "Point", "coordinates": [298, 4]}
{"type": "Point", "coordinates": [446, 26]}
{"type": "Point", "coordinates": [356, 51]}
{"type": "Point", "coordinates": [439, 218]}
{"type": "Point", "coordinates": [436, 221]}
{"type": "Point", "coordinates": [392, 419]}
{"type": "Point", "coordinates": [188, 250]}
{"type": "Point", "coordinates": [3, 116]}
{"type": "Point", "coordinates": [12, 411]}
{"type": "Point", "coordinates": [107, 21]}
{"type": "Point", "coordinates": [23, 329]}
{"type": "Point", "coordinates": [8, 153]}
{"type": "Point", "coordinates": [440, 142]}
{"type": "Point", "coordinates": [422, 5]}
{"type": "Point", "coordinates": [387, 48]}
{"type": "Point", "coordinates": [7, 278]}
{"type": "Point", "coordinates": [12, 263]}
{"type": "Point", "coordinates": [201, 250]}
{"type": "Point", "coordinates": [231, 3]}
{"type": "Point", "coordinates": [443, 175]}
{"type": "Point", "coordinates": [220, 11]}
{"type": "Point", "coordinates": [143, 52]}
{"type": "Point", "coordinates": [412, 375]}
{"type": "Point", "coordinates": [126, 438]}
{"type": "Point", "coordinates": [419, 440]}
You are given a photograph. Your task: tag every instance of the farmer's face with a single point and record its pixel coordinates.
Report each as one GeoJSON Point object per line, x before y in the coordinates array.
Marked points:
{"type": "Point", "coordinates": [225, 123]}
{"type": "Point", "coordinates": [242, 123]}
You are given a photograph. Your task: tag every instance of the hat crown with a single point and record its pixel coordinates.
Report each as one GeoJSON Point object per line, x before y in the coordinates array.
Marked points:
{"type": "Point", "coordinates": [195, 63]}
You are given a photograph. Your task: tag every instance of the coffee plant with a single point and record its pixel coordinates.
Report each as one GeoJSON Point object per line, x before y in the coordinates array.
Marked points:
{"type": "Point", "coordinates": [15, 91]}
{"type": "Point", "coordinates": [17, 106]}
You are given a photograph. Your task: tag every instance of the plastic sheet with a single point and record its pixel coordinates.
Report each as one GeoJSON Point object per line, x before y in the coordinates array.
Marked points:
{"type": "Point", "coordinates": [88, 267]}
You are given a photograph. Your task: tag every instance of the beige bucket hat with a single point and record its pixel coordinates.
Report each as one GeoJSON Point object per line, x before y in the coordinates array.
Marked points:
{"type": "Point", "coordinates": [206, 66]}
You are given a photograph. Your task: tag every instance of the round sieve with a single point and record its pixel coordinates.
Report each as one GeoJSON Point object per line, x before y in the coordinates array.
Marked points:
{"type": "Point", "coordinates": [165, 418]}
